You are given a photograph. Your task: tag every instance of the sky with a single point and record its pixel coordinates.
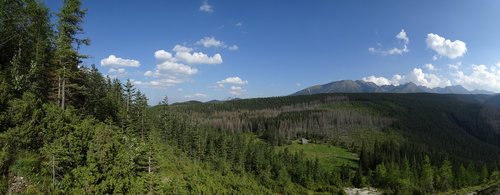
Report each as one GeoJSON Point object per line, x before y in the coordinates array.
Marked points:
{"type": "Point", "coordinates": [220, 49]}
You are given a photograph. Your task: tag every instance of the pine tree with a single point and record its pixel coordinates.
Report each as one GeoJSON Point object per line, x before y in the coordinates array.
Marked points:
{"type": "Point", "coordinates": [129, 92]}
{"type": "Point", "coordinates": [69, 22]}
{"type": "Point", "coordinates": [445, 179]}
{"type": "Point", "coordinates": [427, 174]}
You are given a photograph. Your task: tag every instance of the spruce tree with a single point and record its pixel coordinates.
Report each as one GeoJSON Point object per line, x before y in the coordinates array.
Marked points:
{"type": "Point", "coordinates": [70, 18]}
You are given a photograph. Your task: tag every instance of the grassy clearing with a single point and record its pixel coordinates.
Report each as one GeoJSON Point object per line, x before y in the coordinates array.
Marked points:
{"type": "Point", "coordinates": [330, 157]}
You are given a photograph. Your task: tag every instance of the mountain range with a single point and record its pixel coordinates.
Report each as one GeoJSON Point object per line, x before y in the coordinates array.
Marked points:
{"type": "Point", "coordinates": [358, 86]}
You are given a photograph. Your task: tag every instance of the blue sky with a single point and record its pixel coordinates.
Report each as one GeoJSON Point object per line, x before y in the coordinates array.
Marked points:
{"type": "Point", "coordinates": [206, 50]}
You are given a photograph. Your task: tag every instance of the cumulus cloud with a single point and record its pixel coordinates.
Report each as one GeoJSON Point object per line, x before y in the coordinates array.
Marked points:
{"type": "Point", "coordinates": [393, 51]}
{"type": "Point", "coordinates": [149, 73]}
{"type": "Point", "coordinates": [232, 81]}
{"type": "Point", "coordinates": [186, 55]}
{"type": "Point", "coordinates": [383, 81]}
{"type": "Point", "coordinates": [205, 7]}
{"type": "Point", "coordinates": [196, 95]}
{"type": "Point", "coordinates": [163, 55]}
{"type": "Point", "coordinates": [417, 76]}
{"type": "Point", "coordinates": [239, 24]}
{"type": "Point", "coordinates": [198, 58]}
{"type": "Point", "coordinates": [114, 61]}
{"type": "Point", "coordinates": [445, 47]}
{"type": "Point", "coordinates": [480, 77]}
{"type": "Point", "coordinates": [180, 48]}
{"type": "Point", "coordinates": [176, 68]}
{"type": "Point", "coordinates": [402, 36]}
{"type": "Point", "coordinates": [236, 90]}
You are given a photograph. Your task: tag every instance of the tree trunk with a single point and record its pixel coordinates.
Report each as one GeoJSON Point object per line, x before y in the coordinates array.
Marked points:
{"type": "Point", "coordinates": [142, 125]}
{"type": "Point", "coordinates": [150, 176]}
{"type": "Point", "coordinates": [59, 91]}
{"type": "Point", "coordinates": [128, 104]}
{"type": "Point", "coordinates": [63, 89]}
{"type": "Point", "coordinates": [63, 93]}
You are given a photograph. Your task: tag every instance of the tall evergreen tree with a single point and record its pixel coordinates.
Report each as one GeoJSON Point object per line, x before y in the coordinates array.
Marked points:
{"type": "Point", "coordinates": [445, 176]}
{"type": "Point", "coordinates": [427, 174]}
{"type": "Point", "coordinates": [70, 18]}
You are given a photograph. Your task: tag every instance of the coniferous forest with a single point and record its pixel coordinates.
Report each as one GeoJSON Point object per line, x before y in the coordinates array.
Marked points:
{"type": "Point", "coordinates": [67, 129]}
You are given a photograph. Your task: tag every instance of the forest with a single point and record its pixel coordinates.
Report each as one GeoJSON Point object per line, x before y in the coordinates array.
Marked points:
{"type": "Point", "coordinates": [67, 129]}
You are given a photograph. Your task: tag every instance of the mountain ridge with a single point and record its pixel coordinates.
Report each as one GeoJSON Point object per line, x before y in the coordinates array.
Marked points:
{"type": "Point", "coordinates": [359, 86]}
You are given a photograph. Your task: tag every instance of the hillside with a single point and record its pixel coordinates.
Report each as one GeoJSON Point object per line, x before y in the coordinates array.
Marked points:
{"type": "Point", "coordinates": [349, 86]}
{"type": "Point", "coordinates": [460, 129]}
{"type": "Point", "coordinates": [427, 119]}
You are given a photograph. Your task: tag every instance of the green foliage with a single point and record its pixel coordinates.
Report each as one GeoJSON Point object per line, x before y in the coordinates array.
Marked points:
{"type": "Point", "coordinates": [65, 129]}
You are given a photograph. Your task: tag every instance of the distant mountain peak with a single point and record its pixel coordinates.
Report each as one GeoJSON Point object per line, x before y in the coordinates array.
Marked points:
{"type": "Point", "coordinates": [359, 86]}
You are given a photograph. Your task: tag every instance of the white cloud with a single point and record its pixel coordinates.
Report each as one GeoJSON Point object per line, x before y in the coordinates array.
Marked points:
{"type": "Point", "coordinates": [137, 82]}
{"type": "Point", "coordinates": [210, 42]}
{"type": "Point", "coordinates": [176, 68]}
{"type": "Point", "coordinates": [398, 51]}
{"type": "Point", "coordinates": [298, 84]}
{"type": "Point", "coordinates": [166, 82]}
{"type": "Point", "coordinates": [393, 51]}
{"type": "Point", "coordinates": [149, 73]}
{"type": "Point", "coordinates": [196, 95]}
{"type": "Point", "coordinates": [233, 47]}
{"type": "Point", "coordinates": [180, 48]}
{"type": "Point", "coordinates": [120, 72]}
{"type": "Point", "coordinates": [172, 69]}
{"type": "Point", "coordinates": [232, 81]}
{"type": "Point", "coordinates": [455, 66]}
{"type": "Point", "coordinates": [382, 80]}
{"type": "Point", "coordinates": [481, 77]}
{"type": "Point", "coordinates": [498, 65]}
{"type": "Point", "coordinates": [213, 42]}
{"type": "Point", "coordinates": [416, 76]}
{"type": "Point", "coordinates": [402, 36]}
{"type": "Point", "coordinates": [163, 55]}
{"type": "Point", "coordinates": [239, 24]}
{"type": "Point", "coordinates": [430, 67]}
{"type": "Point", "coordinates": [446, 47]}
{"type": "Point", "coordinates": [114, 61]}
{"type": "Point", "coordinates": [236, 90]}
{"type": "Point", "coordinates": [186, 54]}
{"type": "Point", "coordinates": [198, 58]}
{"type": "Point", "coordinates": [205, 7]}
